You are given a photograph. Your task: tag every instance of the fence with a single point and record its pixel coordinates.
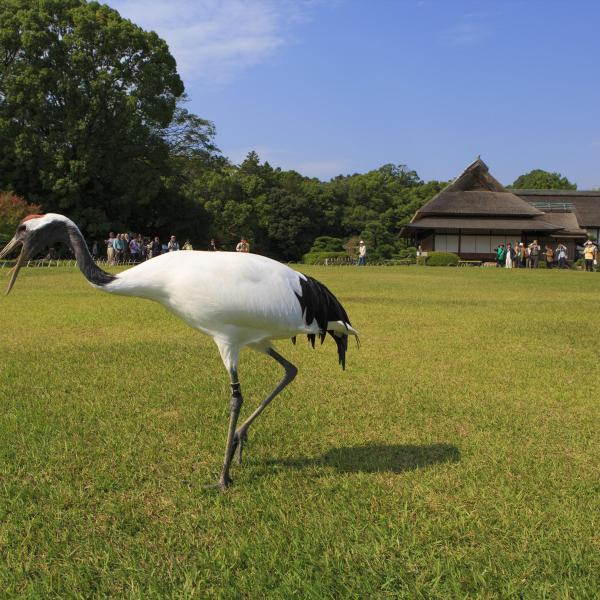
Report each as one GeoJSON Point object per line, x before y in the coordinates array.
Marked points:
{"type": "Point", "coordinates": [46, 262]}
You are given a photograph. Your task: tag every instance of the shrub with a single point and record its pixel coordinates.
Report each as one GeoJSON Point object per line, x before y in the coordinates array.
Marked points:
{"type": "Point", "coordinates": [383, 251]}
{"type": "Point", "coordinates": [12, 210]}
{"type": "Point", "coordinates": [326, 243]}
{"type": "Point", "coordinates": [442, 259]}
{"type": "Point", "coordinates": [410, 252]}
{"type": "Point", "coordinates": [319, 258]}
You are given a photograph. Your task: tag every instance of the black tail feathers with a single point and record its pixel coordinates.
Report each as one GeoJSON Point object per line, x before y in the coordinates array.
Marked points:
{"type": "Point", "coordinates": [319, 304]}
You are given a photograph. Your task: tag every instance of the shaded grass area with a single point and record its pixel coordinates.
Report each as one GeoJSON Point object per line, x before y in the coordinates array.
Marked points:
{"type": "Point", "coordinates": [457, 456]}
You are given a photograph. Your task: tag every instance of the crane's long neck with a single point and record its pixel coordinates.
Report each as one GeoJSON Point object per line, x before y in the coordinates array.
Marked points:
{"type": "Point", "coordinates": [91, 271]}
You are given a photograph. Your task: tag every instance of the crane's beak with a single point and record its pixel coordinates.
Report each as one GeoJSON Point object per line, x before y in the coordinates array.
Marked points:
{"type": "Point", "coordinates": [15, 270]}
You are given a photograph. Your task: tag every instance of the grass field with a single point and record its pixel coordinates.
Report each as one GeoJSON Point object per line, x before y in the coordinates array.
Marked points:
{"type": "Point", "coordinates": [457, 457]}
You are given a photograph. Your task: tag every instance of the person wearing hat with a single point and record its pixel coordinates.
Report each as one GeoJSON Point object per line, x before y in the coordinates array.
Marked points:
{"type": "Point", "coordinates": [243, 245]}
{"type": "Point", "coordinates": [589, 254]}
{"type": "Point", "coordinates": [362, 254]}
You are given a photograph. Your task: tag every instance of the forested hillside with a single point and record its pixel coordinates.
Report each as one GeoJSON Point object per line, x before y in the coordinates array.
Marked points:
{"type": "Point", "coordinates": [93, 124]}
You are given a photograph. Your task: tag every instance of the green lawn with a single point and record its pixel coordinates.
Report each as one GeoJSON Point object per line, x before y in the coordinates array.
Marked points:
{"type": "Point", "coordinates": [458, 456]}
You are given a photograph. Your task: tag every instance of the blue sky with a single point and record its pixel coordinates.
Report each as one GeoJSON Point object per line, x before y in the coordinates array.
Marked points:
{"type": "Point", "coordinates": [332, 87]}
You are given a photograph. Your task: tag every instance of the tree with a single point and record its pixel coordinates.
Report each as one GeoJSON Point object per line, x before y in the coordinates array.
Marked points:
{"type": "Point", "coordinates": [188, 135]}
{"type": "Point", "coordinates": [12, 210]}
{"type": "Point", "coordinates": [85, 97]}
{"type": "Point", "coordinates": [538, 179]}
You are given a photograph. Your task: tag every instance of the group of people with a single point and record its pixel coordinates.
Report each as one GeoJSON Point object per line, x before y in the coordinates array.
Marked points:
{"type": "Point", "coordinates": [520, 256]}
{"type": "Point", "coordinates": [128, 248]}
{"type": "Point", "coordinates": [125, 248]}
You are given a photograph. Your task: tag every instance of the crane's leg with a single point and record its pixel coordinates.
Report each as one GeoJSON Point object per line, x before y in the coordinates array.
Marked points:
{"type": "Point", "coordinates": [290, 372]}
{"type": "Point", "coordinates": [234, 411]}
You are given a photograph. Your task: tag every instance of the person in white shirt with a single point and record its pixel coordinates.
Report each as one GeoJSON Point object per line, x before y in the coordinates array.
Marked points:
{"type": "Point", "coordinates": [362, 254]}
{"type": "Point", "coordinates": [243, 246]}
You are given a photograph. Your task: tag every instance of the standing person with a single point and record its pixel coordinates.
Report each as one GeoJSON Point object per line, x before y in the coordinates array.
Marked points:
{"type": "Point", "coordinates": [589, 253]}
{"type": "Point", "coordinates": [561, 253]}
{"type": "Point", "coordinates": [142, 246]}
{"type": "Point", "coordinates": [173, 244]}
{"type": "Point", "coordinates": [188, 245]}
{"type": "Point", "coordinates": [95, 250]}
{"type": "Point", "coordinates": [243, 245]}
{"type": "Point", "coordinates": [156, 248]}
{"type": "Point", "coordinates": [119, 246]}
{"type": "Point", "coordinates": [134, 249]}
{"type": "Point", "coordinates": [125, 239]}
{"type": "Point", "coordinates": [500, 255]}
{"type": "Point", "coordinates": [522, 255]}
{"type": "Point", "coordinates": [549, 252]}
{"type": "Point", "coordinates": [362, 254]}
{"type": "Point", "coordinates": [212, 245]}
{"type": "Point", "coordinates": [534, 254]}
{"type": "Point", "coordinates": [110, 248]}
{"type": "Point", "coordinates": [510, 256]}
{"type": "Point", "coordinates": [517, 256]}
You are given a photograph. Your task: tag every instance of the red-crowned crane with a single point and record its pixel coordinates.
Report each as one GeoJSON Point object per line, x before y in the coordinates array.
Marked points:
{"type": "Point", "coordinates": [238, 299]}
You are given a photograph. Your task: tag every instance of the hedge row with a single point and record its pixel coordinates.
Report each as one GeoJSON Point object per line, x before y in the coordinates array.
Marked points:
{"type": "Point", "coordinates": [318, 258]}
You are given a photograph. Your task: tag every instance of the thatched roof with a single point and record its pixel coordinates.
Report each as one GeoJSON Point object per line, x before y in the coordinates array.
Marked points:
{"type": "Point", "coordinates": [475, 177]}
{"type": "Point", "coordinates": [586, 205]}
{"type": "Point", "coordinates": [476, 193]}
{"type": "Point", "coordinates": [479, 202]}
{"type": "Point", "coordinates": [566, 222]}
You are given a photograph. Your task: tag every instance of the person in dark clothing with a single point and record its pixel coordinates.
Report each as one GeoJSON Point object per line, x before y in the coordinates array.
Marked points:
{"type": "Point", "coordinates": [212, 246]}
{"type": "Point", "coordinates": [156, 247]}
{"type": "Point", "coordinates": [549, 257]}
{"type": "Point", "coordinates": [534, 254]}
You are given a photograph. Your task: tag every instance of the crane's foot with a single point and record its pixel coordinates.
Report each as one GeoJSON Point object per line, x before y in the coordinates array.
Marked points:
{"type": "Point", "coordinates": [221, 485]}
{"type": "Point", "coordinates": [224, 483]}
{"type": "Point", "coordinates": [240, 438]}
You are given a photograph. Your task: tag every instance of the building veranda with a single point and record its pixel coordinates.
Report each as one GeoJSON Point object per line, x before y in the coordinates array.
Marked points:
{"type": "Point", "coordinates": [475, 213]}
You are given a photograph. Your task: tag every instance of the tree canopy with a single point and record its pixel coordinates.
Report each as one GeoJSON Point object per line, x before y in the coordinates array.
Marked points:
{"type": "Point", "coordinates": [85, 99]}
{"type": "Point", "coordinates": [538, 179]}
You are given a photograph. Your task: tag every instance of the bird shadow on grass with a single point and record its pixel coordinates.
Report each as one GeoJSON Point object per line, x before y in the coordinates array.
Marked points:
{"type": "Point", "coordinates": [376, 458]}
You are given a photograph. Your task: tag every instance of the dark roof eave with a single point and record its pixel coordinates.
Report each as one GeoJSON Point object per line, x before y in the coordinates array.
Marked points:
{"type": "Point", "coordinates": [483, 224]}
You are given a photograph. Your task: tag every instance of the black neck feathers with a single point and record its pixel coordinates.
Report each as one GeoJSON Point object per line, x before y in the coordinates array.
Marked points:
{"type": "Point", "coordinates": [91, 271]}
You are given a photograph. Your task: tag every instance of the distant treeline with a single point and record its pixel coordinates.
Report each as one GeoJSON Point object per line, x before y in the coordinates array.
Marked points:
{"type": "Point", "coordinates": [93, 125]}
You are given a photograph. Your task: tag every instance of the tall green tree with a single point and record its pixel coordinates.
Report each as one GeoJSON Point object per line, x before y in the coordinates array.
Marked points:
{"type": "Point", "coordinates": [85, 98]}
{"type": "Point", "coordinates": [538, 179]}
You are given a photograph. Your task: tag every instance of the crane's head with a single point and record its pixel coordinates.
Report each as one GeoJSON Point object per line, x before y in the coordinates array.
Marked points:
{"type": "Point", "coordinates": [34, 233]}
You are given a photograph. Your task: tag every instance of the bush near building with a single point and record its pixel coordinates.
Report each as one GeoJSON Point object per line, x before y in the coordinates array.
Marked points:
{"type": "Point", "coordinates": [442, 259]}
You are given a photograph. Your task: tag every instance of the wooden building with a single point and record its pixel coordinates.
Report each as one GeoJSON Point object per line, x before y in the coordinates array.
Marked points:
{"type": "Point", "coordinates": [476, 213]}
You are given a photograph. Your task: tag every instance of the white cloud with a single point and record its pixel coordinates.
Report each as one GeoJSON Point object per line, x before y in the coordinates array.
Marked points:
{"type": "Point", "coordinates": [214, 40]}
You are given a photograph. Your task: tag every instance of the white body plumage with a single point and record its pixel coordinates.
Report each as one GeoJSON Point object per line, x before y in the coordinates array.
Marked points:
{"type": "Point", "coordinates": [238, 299]}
